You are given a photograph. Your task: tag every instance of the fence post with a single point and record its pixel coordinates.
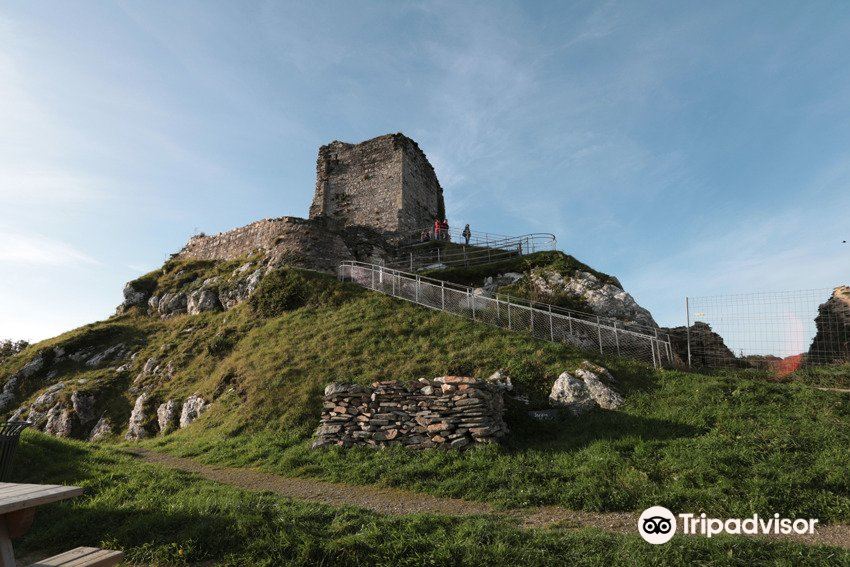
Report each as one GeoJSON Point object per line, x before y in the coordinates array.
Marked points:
{"type": "Point", "coordinates": [599, 333]}
{"type": "Point", "coordinates": [509, 312]}
{"type": "Point", "coordinates": [416, 292]}
{"type": "Point", "coordinates": [688, 328]}
{"type": "Point", "coordinates": [472, 300]}
{"type": "Point", "coordinates": [372, 272]}
{"type": "Point", "coordinates": [438, 255]}
{"type": "Point", "coordinates": [617, 338]}
{"type": "Point", "coordinates": [443, 295]}
{"type": "Point", "coordinates": [652, 346]}
{"type": "Point", "coordinates": [411, 261]}
{"type": "Point", "coordinates": [551, 326]}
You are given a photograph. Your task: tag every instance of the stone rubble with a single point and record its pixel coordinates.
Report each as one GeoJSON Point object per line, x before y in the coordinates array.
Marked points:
{"type": "Point", "coordinates": [449, 411]}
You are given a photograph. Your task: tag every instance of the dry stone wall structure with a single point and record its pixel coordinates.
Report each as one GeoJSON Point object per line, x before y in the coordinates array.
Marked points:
{"type": "Point", "coordinates": [450, 411]}
{"type": "Point", "coordinates": [386, 183]}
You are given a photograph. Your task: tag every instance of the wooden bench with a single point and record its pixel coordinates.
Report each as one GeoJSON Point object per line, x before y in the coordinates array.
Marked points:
{"type": "Point", "coordinates": [82, 557]}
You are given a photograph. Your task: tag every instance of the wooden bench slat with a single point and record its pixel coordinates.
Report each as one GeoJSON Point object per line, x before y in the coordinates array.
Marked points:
{"type": "Point", "coordinates": [63, 558]}
{"type": "Point", "coordinates": [44, 494]}
{"type": "Point", "coordinates": [101, 558]}
{"type": "Point", "coordinates": [83, 557]}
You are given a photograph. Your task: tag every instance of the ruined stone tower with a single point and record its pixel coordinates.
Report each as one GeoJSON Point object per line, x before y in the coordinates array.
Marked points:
{"type": "Point", "coordinates": [386, 183]}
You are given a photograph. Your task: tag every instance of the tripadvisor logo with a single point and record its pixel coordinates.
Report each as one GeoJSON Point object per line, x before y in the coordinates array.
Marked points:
{"type": "Point", "coordinates": [658, 525]}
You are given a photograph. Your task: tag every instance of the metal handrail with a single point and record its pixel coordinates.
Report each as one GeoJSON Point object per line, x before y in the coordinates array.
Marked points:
{"type": "Point", "coordinates": [659, 342]}
{"type": "Point", "coordinates": [495, 251]}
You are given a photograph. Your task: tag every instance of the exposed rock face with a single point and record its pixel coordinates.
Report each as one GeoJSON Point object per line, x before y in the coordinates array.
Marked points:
{"type": "Point", "coordinates": [133, 297]}
{"type": "Point", "coordinates": [202, 300]}
{"type": "Point", "coordinates": [10, 388]}
{"type": "Point", "coordinates": [832, 340]}
{"type": "Point", "coordinates": [172, 304]}
{"type": "Point", "coordinates": [83, 405]}
{"type": "Point", "coordinates": [707, 347]}
{"type": "Point", "coordinates": [59, 421]}
{"type": "Point", "coordinates": [136, 426]}
{"type": "Point", "coordinates": [598, 380]}
{"type": "Point", "coordinates": [604, 299]}
{"type": "Point", "coordinates": [166, 415]}
{"type": "Point", "coordinates": [449, 411]}
{"type": "Point", "coordinates": [572, 394]}
{"type": "Point", "coordinates": [235, 294]}
{"type": "Point", "coordinates": [585, 389]}
{"type": "Point", "coordinates": [385, 183]}
{"type": "Point", "coordinates": [195, 405]}
{"type": "Point", "coordinates": [42, 404]}
{"type": "Point", "coordinates": [101, 430]}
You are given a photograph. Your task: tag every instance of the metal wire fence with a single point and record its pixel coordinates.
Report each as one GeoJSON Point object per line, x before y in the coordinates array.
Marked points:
{"type": "Point", "coordinates": [482, 250]}
{"type": "Point", "coordinates": [609, 337]}
{"type": "Point", "coordinates": [776, 331]}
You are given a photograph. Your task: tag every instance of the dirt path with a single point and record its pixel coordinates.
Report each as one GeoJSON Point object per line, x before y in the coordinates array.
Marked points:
{"type": "Point", "coordinates": [395, 501]}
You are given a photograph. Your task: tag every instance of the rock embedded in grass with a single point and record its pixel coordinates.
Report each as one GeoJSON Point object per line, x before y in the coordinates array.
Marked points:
{"type": "Point", "coordinates": [585, 389]}
{"type": "Point", "coordinates": [448, 411]}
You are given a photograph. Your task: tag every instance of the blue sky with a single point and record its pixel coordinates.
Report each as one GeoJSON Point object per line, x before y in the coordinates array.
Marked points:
{"type": "Point", "coordinates": [687, 148]}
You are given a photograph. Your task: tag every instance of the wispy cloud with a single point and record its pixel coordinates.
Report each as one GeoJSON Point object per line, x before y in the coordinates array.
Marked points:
{"type": "Point", "coordinates": [18, 248]}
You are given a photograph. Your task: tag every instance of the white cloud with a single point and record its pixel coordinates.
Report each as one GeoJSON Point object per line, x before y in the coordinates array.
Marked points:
{"type": "Point", "coordinates": [36, 249]}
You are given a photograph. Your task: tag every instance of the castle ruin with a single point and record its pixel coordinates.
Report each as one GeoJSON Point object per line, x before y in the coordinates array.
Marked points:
{"type": "Point", "coordinates": [385, 183]}
{"type": "Point", "coordinates": [367, 196]}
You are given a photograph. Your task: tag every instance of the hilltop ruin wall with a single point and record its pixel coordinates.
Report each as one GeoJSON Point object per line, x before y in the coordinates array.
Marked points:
{"type": "Point", "coordinates": [386, 183]}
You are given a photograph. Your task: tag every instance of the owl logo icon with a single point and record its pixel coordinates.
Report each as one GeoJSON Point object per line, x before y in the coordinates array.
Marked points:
{"type": "Point", "coordinates": [657, 525]}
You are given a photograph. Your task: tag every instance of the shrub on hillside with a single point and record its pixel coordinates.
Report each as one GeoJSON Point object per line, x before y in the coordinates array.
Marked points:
{"type": "Point", "coordinates": [280, 291]}
{"type": "Point", "coordinates": [288, 289]}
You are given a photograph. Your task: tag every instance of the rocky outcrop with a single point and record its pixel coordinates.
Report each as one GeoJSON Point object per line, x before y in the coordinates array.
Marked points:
{"type": "Point", "coordinates": [832, 340]}
{"type": "Point", "coordinates": [138, 418]}
{"type": "Point", "coordinates": [135, 295]}
{"type": "Point", "coordinates": [101, 430]}
{"type": "Point", "coordinates": [60, 422]}
{"type": "Point", "coordinates": [30, 369]}
{"type": "Point", "coordinates": [194, 406]}
{"type": "Point", "coordinates": [707, 347]}
{"type": "Point", "coordinates": [588, 387]}
{"type": "Point", "coordinates": [83, 404]}
{"type": "Point", "coordinates": [450, 411]}
{"type": "Point", "coordinates": [166, 416]}
{"type": "Point", "coordinates": [171, 304]}
{"type": "Point", "coordinates": [202, 300]}
{"type": "Point", "coordinates": [603, 298]}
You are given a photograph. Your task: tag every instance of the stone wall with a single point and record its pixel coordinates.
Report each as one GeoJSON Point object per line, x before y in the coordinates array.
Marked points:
{"type": "Point", "coordinates": [314, 244]}
{"type": "Point", "coordinates": [386, 183]}
{"type": "Point", "coordinates": [450, 411]}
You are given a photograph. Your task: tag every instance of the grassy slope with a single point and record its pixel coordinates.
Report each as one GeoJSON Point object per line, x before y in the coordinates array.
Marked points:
{"type": "Point", "coordinates": [163, 517]}
{"type": "Point", "coordinates": [725, 444]}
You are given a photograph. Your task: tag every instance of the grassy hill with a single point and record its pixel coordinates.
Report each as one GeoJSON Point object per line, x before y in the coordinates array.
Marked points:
{"type": "Point", "coordinates": [728, 444]}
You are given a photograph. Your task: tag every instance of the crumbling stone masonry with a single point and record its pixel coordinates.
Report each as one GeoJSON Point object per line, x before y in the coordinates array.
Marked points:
{"type": "Point", "coordinates": [386, 183]}
{"type": "Point", "coordinates": [450, 411]}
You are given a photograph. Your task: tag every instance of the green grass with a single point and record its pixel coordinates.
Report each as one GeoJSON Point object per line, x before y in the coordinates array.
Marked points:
{"type": "Point", "coordinates": [722, 445]}
{"type": "Point", "coordinates": [165, 517]}
{"type": "Point", "coordinates": [729, 444]}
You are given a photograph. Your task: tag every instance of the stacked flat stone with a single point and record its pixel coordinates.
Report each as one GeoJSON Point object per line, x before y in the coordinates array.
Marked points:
{"type": "Point", "coordinates": [454, 412]}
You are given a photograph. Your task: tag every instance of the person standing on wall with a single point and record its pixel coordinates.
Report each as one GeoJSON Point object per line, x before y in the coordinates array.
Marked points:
{"type": "Point", "coordinates": [467, 234]}
{"type": "Point", "coordinates": [444, 229]}
{"type": "Point", "coordinates": [437, 226]}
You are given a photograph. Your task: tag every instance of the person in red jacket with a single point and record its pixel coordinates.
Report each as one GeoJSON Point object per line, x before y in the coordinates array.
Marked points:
{"type": "Point", "coordinates": [437, 226]}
